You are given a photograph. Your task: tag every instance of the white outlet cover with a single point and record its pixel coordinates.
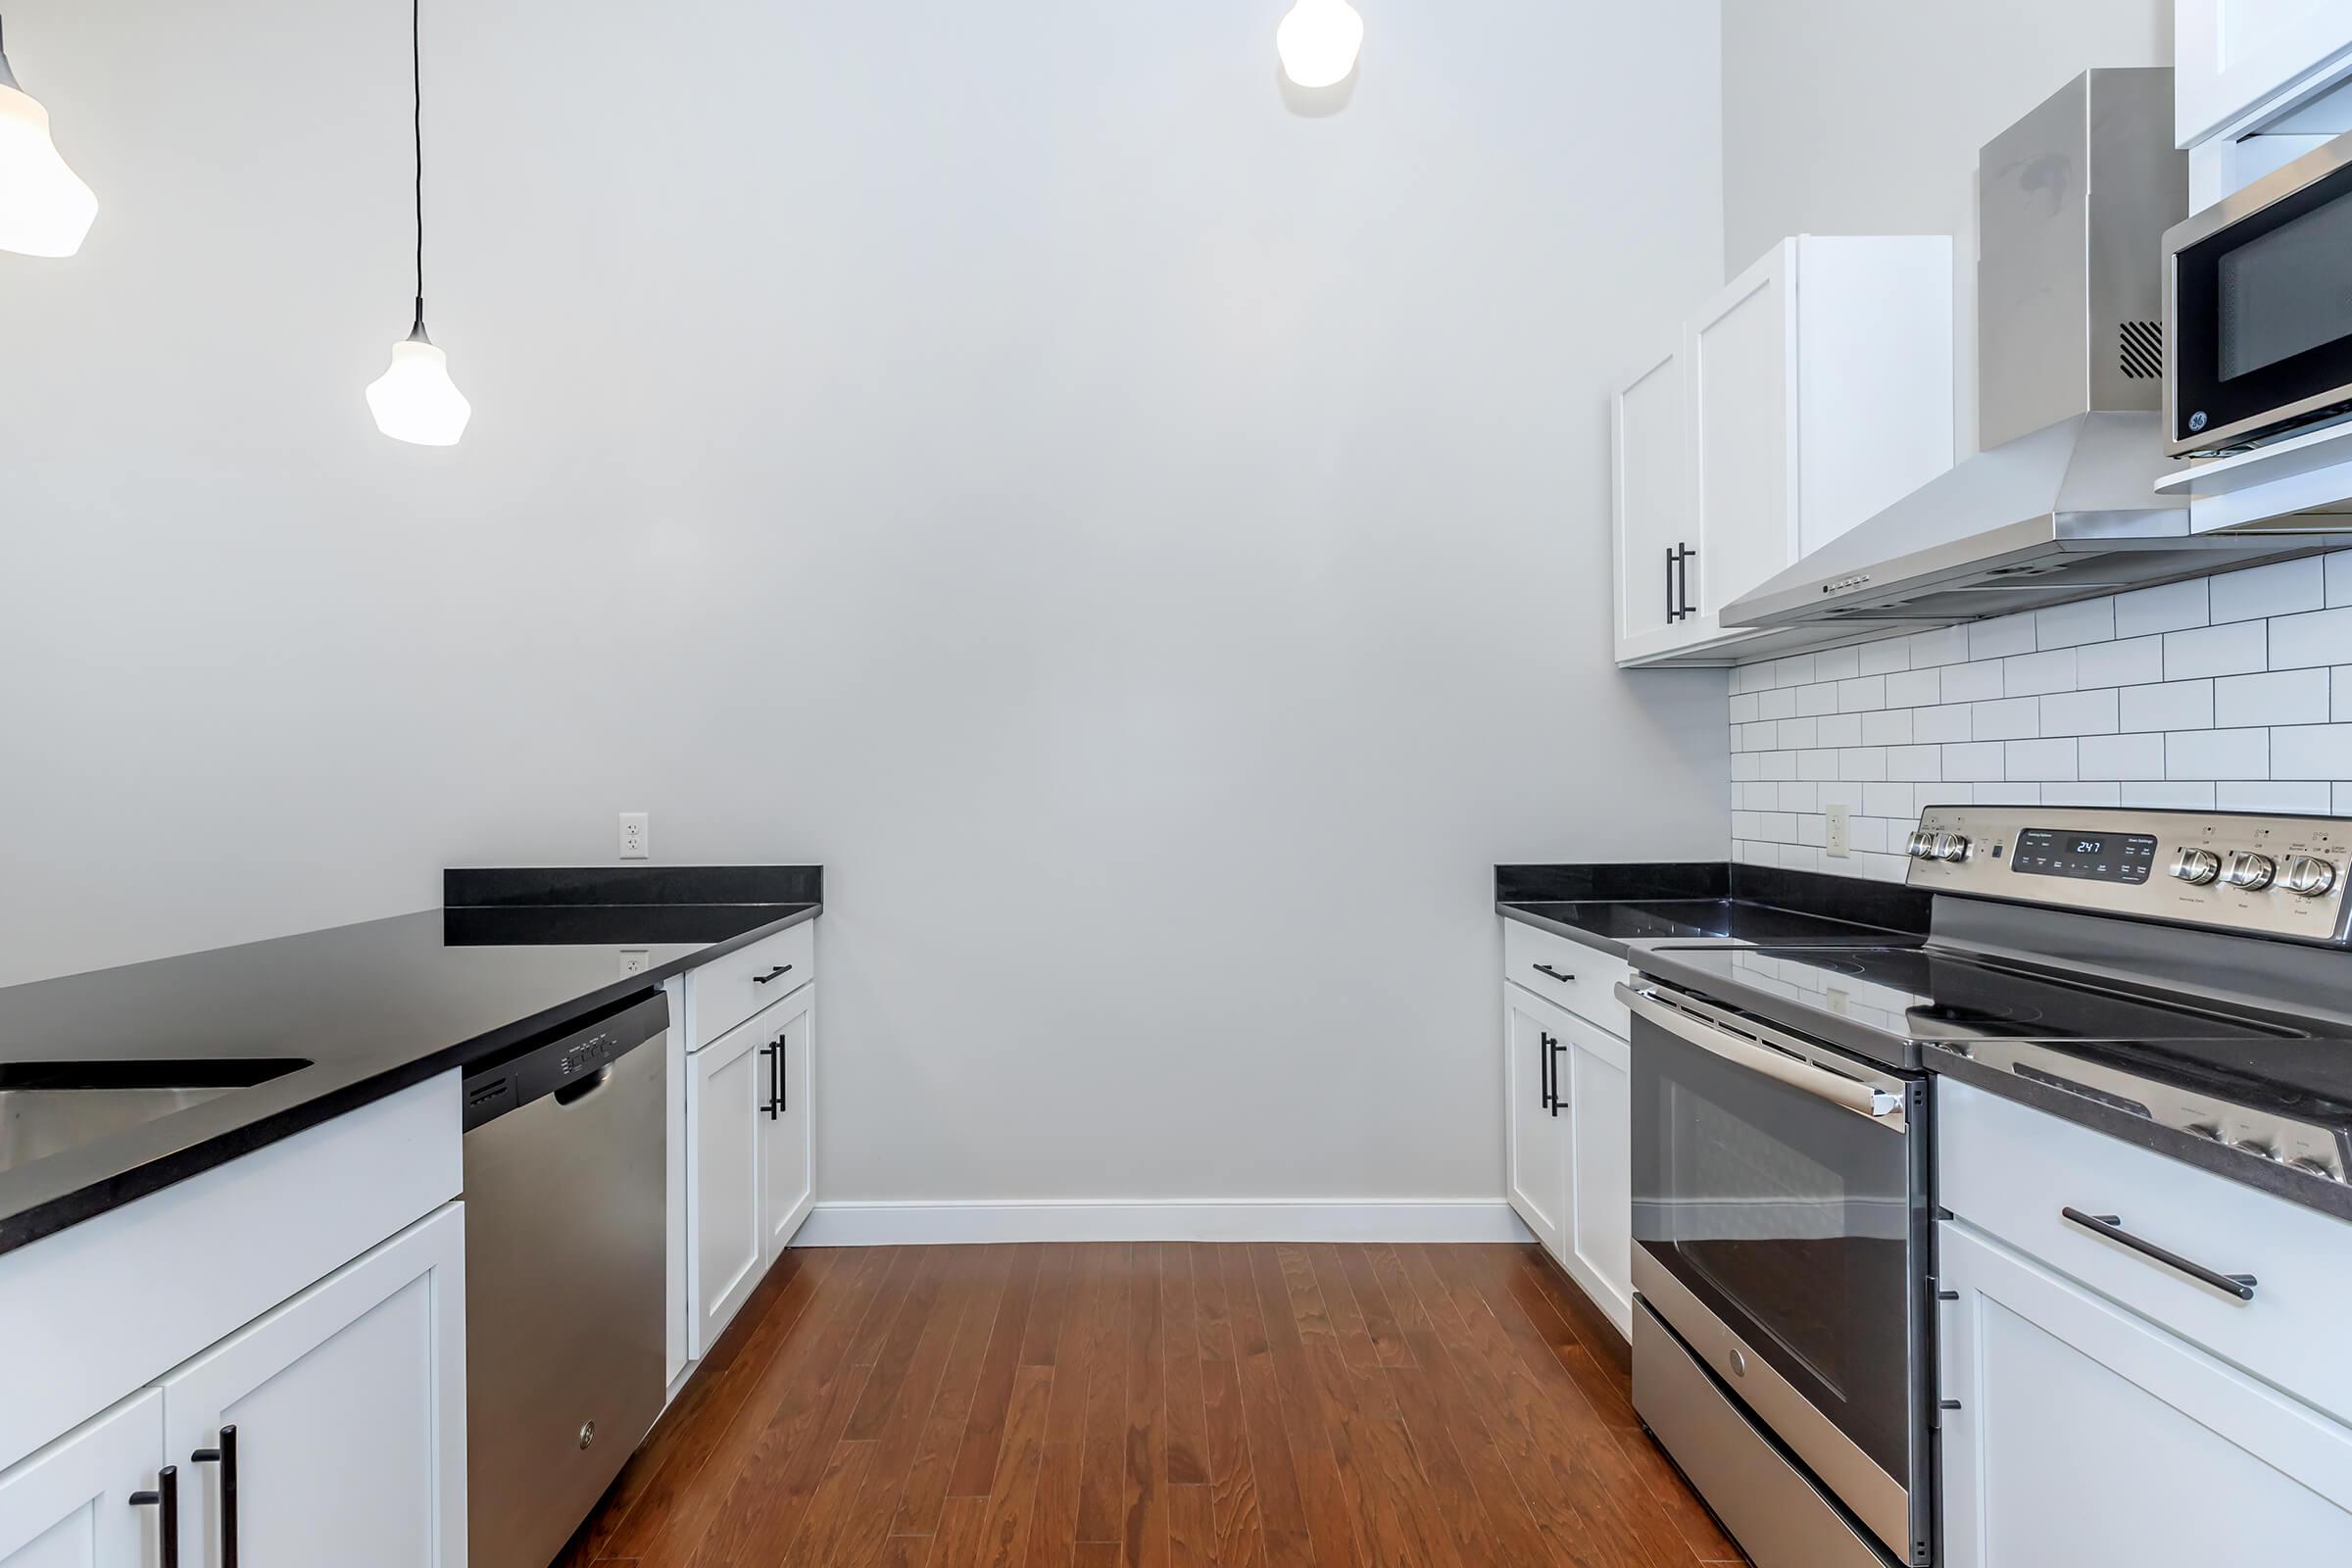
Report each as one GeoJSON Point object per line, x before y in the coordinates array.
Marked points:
{"type": "Point", "coordinates": [1841, 844]}
{"type": "Point", "coordinates": [636, 835]}
{"type": "Point", "coordinates": [635, 961]}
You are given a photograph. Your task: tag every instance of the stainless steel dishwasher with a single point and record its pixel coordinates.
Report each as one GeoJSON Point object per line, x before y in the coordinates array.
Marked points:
{"type": "Point", "coordinates": [563, 1277]}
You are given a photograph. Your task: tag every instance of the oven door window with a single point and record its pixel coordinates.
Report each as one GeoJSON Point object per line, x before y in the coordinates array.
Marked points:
{"type": "Point", "coordinates": [2263, 318]}
{"type": "Point", "coordinates": [1790, 1219]}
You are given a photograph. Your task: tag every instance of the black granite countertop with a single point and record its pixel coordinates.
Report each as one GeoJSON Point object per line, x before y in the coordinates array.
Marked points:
{"type": "Point", "coordinates": [369, 1009]}
{"type": "Point", "coordinates": [1612, 905]}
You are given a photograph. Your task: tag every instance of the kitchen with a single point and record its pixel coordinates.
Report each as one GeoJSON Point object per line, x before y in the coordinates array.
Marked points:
{"type": "Point", "coordinates": [1036, 505]}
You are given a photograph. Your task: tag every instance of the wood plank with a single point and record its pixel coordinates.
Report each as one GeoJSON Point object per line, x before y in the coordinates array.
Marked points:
{"type": "Point", "coordinates": [991, 1398]}
{"type": "Point", "coordinates": [1593, 1329]}
{"type": "Point", "coordinates": [1004, 1533]}
{"type": "Point", "coordinates": [1047, 1309]}
{"type": "Point", "coordinates": [916, 1321]}
{"type": "Point", "coordinates": [962, 1292]}
{"type": "Point", "coordinates": [1330, 1530]}
{"type": "Point", "coordinates": [1102, 1463]}
{"type": "Point", "coordinates": [1053, 1531]}
{"type": "Point", "coordinates": [1281, 1509]}
{"type": "Point", "coordinates": [1389, 1348]}
{"type": "Point", "coordinates": [1236, 1538]}
{"type": "Point", "coordinates": [927, 1480]}
{"type": "Point", "coordinates": [1187, 1416]}
{"type": "Point", "coordinates": [1192, 1524]}
{"type": "Point", "coordinates": [823, 1538]}
{"type": "Point", "coordinates": [1144, 1518]}
{"type": "Point", "coordinates": [1340, 1304]}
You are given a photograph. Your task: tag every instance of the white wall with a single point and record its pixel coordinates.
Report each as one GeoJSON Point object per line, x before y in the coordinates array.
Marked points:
{"type": "Point", "coordinates": [1864, 117]}
{"type": "Point", "coordinates": [1146, 543]}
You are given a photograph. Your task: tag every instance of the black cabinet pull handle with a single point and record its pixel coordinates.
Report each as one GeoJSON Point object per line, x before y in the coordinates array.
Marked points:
{"type": "Point", "coordinates": [779, 970]}
{"type": "Point", "coordinates": [165, 1500]}
{"type": "Point", "coordinates": [1671, 598]}
{"type": "Point", "coordinates": [1557, 1046]}
{"type": "Point", "coordinates": [1689, 555]}
{"type": "Point", "coordinates": [1544, 1071]}
{"type": "Point", "coordinates": [771, 1053]}
{"type": "Point", "coordinates": [1545, 968]}
{"type": "Point", "coordinates": [783, 1078]}
{"type": "Point", "coordinates": [2111, 1226]}
{"type": "Point", "coordinates": [226, 1456]}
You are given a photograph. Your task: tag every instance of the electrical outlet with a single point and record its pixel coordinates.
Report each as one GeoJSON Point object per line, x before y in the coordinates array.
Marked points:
{"type": "Point", "coordinates": [1842, 833]}
{"type": "Point", "coordinates": [634, 961]}
{"type": "Point", "coordinates": [636, 835]}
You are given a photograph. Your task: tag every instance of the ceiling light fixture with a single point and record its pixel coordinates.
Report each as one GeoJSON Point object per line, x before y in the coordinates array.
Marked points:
{"type": "Point", "coordinates": [1319, 41]}
{"type": "Point", "coordinates": [415, 401]}
{"type": "Point", "coordinates": [45, 209]}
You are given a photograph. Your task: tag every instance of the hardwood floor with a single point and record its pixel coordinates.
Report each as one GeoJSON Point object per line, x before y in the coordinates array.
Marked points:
{"type": "Point", "coordinates": [1157, 1405]}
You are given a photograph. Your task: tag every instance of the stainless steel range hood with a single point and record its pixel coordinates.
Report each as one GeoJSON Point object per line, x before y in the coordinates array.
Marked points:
{"type": "Point", "coordinates": [2073, 204]}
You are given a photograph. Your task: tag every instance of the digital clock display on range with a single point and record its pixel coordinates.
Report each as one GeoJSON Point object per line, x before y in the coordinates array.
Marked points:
{"type": "Point", "coordinates": [2093, 856]}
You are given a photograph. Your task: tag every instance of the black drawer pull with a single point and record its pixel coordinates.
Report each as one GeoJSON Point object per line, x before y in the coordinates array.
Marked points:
{"type": "Point", "coordinates": [1564, 979]}
{"type": "Point", "coordinates": [771, 1053]}
{"type": "Point", "coordinates": [2111, 1226]}
{"type": "Point", "coordinates": [778, 971]}
{"type": "Point", "coordinates": [226, 1456]}
{"type": "Point", "coordinates": [1544, 1074]}
{"type": "Point", "coordinates": [165, 1500]}
{"type": "Point", "coordinates": [1557, 1046]}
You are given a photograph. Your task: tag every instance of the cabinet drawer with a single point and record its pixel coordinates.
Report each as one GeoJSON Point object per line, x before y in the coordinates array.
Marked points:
{"type": "Point", "coordinates": [1567, 974]}
{"type": "Point", "coordinates": [2009, 1170]}
{"type": "Point", "coordinates": [725, 992]}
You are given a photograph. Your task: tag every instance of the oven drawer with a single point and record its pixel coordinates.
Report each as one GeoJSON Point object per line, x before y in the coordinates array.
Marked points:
{"type": "Point", "coordinates": [725, 992]}
{"type": "Point", "coordinates": [2009, 1170]}
{"type": "Point", "coordinates": [1567, 974]}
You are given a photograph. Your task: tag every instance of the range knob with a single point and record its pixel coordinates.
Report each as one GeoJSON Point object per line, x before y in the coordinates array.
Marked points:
{"type": "Point", "coordinates": [1922, 845]}
{"type": "Point", "coordinates": [2197, 866]}
{"type": "Point", "coordinates": [2248, 871]}
{"type": "Point", "coordinates": [2307, 876]}
{"type": "Point", "coordinates": [1949, 847]}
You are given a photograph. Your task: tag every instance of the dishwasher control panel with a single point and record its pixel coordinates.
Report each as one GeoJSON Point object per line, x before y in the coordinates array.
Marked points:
{"type": "Point", "coordinates": [568, 1062]}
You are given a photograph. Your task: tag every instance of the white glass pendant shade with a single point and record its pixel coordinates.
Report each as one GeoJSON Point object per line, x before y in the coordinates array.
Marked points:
{"type": "Point", "coordinates": [1319, 41]}
{"type": "Point", "coordinates": [415, 401]}
{"type": "Point", "coordinates": [45, 209]}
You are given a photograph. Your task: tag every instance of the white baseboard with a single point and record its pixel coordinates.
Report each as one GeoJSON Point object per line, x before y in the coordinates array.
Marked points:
{"type": "Point", "coordinates": [934, 1224]}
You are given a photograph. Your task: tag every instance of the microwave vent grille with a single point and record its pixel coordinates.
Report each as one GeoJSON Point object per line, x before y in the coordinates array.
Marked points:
{"type": "Point", "coordinates": [2143, 350]}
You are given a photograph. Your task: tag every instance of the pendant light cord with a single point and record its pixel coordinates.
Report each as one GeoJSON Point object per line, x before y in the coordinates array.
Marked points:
{"type": "Point", "coordinates": [416, 93]}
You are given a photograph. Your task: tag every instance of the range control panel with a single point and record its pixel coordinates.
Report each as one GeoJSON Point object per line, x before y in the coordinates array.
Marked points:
{"type": "Point", "coordinates": [2275, 876]}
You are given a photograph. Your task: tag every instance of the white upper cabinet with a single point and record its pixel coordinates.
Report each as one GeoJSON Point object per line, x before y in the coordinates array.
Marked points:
{"type": "Point", "coordinates": [1812, 391]}
{"type": "Point", "coordinates": [2234, 56]}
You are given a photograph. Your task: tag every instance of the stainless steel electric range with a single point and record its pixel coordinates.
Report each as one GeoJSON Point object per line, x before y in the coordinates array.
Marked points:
{"type": "Point", "coordinates": [2170, 967]}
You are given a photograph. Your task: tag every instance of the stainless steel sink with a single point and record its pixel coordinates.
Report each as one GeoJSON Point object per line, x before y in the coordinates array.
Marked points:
{"type": "Point", "coordinates": [49, 1106]}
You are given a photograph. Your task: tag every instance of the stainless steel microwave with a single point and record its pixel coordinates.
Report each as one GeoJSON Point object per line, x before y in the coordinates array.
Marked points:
{"type": "Point", "coordinates": [2258, 308]}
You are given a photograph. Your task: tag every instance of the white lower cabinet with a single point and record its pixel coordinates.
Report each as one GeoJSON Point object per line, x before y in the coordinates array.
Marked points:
{"type": "Point", "coordinates": [344, 1414]}
{"type": "Point", "coordinates": [1568, 1139]}
{"type": "Point", "coordinates": [2075, 1431]}
{"type": "Point", "coordinates": [750, 1159]}
{"type": "Point", "coordinates": [69, 1505]}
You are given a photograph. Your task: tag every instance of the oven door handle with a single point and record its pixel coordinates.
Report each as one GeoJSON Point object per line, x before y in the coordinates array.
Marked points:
{"type": "Point", "coordinates": [1821, 1084]}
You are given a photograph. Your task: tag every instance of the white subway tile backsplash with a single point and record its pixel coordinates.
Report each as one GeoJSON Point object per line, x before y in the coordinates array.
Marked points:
{"type": "Point", "coordinates": [2178, 705]}
{"type": "Point", "coordinates": [2030, 674]}
{"type": "Point", "coordinates": [2310, 751]}
{"type": "Point", "coordinates": [2011, 719]}
{"type": "Point", "coordinates": [2218, 754]}
{"type": "Point", "coordinates": [2167, 609]}
{"type": "Point", "coordinates": [2266, 796]}
{"type": "Point", "coordinates": [1975, 759]}
{"type": "Point", "coordinates": [1914, 688]}
{"type": "Point", "coordinates": [2079, 713]}
{"type": "Point", "coordinates": [1837, 664]}
{"type": "Point", "coordinates": [1995, 639]}
{"type": "Point", "coordinates": [2041, 760]}
{"type": "Point", "coordinates": [2282, 697]}
{"type": "Point", "coordinates": [1888, 726]}
{"type": "Point", "coordinates": [2284, 588]}
{"type": "Point", "coordinates": [1858, 696]}
{"type": "Point", "coordinates": [2232, 650]}
{"type": "Point", "coordinates": [1885, 656]}
{"type": "Point", "coordinates": [1943, 723]}
{"type": "Point", "coordinates": [2320, 638]}
{"type": "Point", "coordinates": [2136, 663]}
{"type": "Point", "coordinates": [2072, 625]}
{"type": "Point", "coordinates": [1972, 683]}
{"type": "Point", "coordinates": [1945, 644]}
{"type": "Point", "coordinates": [2121, 756]}
{"type": "Point", "coordinates": [2111, 702]}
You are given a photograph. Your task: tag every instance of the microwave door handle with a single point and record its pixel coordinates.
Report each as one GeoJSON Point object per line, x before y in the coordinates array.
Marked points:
{"type": "Point", "coordinates": [1778, 1066]}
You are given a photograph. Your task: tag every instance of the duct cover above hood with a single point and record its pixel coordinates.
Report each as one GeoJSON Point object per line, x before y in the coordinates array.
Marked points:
{"type": "Point", "coordinates": [2073, 201]}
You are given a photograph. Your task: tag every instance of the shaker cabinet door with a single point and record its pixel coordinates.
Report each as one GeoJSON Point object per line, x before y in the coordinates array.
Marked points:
{"type": "Point", "coordinates": [69, 1505]}
{"type": "Point", "coordinates": [726, 1087]}
{"type": "Point", "coordinates": [1535, 1044]}
{"type": "Point", "coordinates": [1650, 500]}
{"type": "Point", "coordinates": [1597, 1242]}
{"type": "Point", "coordinates": [787, 1158]}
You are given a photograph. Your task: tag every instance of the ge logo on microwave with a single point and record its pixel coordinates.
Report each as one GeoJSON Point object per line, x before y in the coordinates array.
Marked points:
{"type": "Point", "coordinates": [2196, 420]}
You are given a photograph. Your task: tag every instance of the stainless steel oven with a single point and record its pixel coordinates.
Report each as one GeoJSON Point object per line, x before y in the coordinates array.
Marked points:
{"type": "Point", "coordinates": [1780, 1227]}
{"type": "Point", "coordinates": [2258, 308]}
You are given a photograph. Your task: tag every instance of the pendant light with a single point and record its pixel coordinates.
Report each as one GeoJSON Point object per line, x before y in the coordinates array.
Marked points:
{"type": "Point", "coordinates": [415, 401]}
{"type": "Point", "coordinates": [1318, 42]}
{"type": "Point", "coordinates": [44, 207]}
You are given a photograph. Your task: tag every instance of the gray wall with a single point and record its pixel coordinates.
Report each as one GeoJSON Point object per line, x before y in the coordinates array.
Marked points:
{"type": "Point", "coordinates": [1146, 543]}
{"type": "Point", "coordinates": [1864, 117]}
